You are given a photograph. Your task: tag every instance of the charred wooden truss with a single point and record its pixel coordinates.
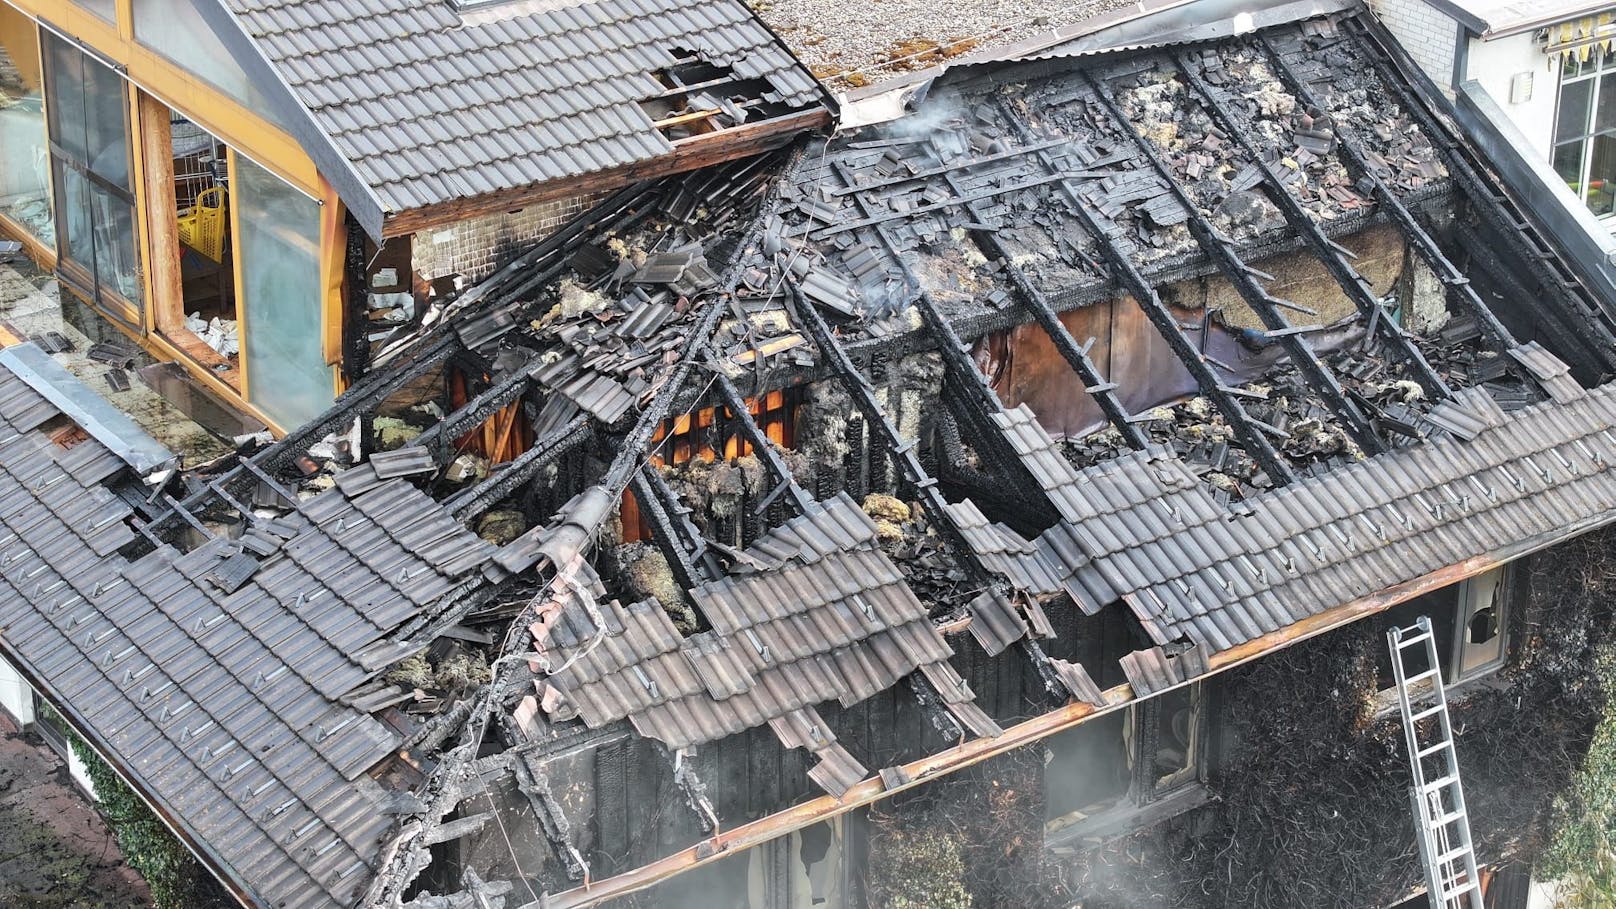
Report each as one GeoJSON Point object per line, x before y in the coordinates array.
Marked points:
{"type": "Point", "coordinates": [917, 545]}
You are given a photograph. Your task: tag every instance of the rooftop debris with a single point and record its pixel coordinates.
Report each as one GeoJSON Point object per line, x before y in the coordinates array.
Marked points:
{"type": "Point", "coordinates": [741, 443]}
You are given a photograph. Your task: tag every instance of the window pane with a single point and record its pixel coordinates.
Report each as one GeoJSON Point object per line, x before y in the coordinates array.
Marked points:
{"type": "Point", "coordinates": [1482, 643]}
{"type": "Point", "coordinates": [116, 267]}
{"type": "Point", "coordinates": [1602, 175]}
{"type": "Point", "coordinates": [1088, 769]}
{"type": "Point", "coordinates": [1175, 738]}
{"type": "Point", "coordinates": [24, 156]}
{"type": "Point", "coordinates": [1568, 163]}
{"type": "Point", "coordinates": [175, 29]}
{"type": "Point", "coordinates": [280, 299]}
{"type": "Point", "coordinates": [1574, 103]}
{"type": "Point", "coordinates": [106, 9]}
{"type": "Point", "coordinates": [1605, 111]}
{"type": "Point", "coordinates": [77, 225]}
{"type": "Point", "coordinates": [64, 75]}
{"type": "Point", "coordinates": [106, 125]}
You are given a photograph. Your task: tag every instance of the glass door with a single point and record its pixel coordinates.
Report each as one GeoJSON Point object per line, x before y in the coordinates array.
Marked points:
{"type": "Point", "coordinates": [88, 105]}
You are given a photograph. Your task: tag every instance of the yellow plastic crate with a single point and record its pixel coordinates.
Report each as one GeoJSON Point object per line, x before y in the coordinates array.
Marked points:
{"type": "Point", "coordinates": [202, 226]}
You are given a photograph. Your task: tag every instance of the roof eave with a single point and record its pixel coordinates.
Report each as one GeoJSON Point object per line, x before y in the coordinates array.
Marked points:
{"type": "Point", "coordinates": [745, 836]}
{"type": "Point", "coordinates": [687, 154]}
{"type": "Point", "coordinates": [227, 875]}
{"type": "Point", "coordinates": [356, 194]}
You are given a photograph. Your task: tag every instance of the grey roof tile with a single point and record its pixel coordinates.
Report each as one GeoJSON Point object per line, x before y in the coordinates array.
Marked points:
{"type": "Point", "coordinates": [363, 65]}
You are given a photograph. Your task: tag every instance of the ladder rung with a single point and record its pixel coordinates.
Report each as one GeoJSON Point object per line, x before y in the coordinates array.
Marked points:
{"type": "Point", "coordinates": [1437, 784]}
{"type": "Point", "coordinates": [1427, 712]}
{"type": "Point", "coordinates": [1458, 891]}
{"type": "Point", "coordinates": [1427, 752]}
{"type": "Point", "coordinates": [1420, 638]}
{"type": "Point", "coordinates": [1452, 854]}
{"type": "Point", "coordinates": [1427, 674]}
{"type": "Point", "coordinates": [1444, 820]}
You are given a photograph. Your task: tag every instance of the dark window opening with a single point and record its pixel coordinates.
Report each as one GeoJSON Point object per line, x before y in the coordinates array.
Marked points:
{"type": "Point", "coordinates": [1098, 773]}
{"type": "Point", "coordinates": [1469, 620]}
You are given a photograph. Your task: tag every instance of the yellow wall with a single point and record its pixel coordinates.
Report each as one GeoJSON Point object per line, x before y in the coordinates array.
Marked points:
{"type": "Point", "coordinates": [21, 41]}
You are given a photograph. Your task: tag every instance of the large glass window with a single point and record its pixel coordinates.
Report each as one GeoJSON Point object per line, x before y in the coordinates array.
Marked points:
{"type": "Point", "coordinates": [88, 106]}
{"type": "Point", "coordinates": [1585, 129]}
{"type": "Point", "coordinates": [24, 154]}
{"type": "Point", "coordinates": [279, 247]}
{"type": "Point", "coordinates": [176, 29]}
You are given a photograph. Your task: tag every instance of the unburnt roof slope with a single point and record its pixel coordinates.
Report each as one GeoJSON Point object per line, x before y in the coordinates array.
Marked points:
{"type": "Point", "coordinates": [431, 104]}
{"type": "Point", "coordinates": [213, 679]}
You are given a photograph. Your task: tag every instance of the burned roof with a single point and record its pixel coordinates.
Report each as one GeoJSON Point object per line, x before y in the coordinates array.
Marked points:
{"type": "Point", "coordinates": [1279, 458]}
{"type": "Point", "coordinates": [432, 103]}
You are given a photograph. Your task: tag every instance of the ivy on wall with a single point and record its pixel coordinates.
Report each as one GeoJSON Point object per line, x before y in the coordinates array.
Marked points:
{"type": "Point", "coordinates": [1582, 854]}
{"type": "Point", "coordinates": [176, 878]}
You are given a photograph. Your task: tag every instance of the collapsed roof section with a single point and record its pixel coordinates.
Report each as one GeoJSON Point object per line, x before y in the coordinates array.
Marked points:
{"type": "Point", "coordinates": [435, 104]}
{"type": "Point", "coordinates": [660, 548]}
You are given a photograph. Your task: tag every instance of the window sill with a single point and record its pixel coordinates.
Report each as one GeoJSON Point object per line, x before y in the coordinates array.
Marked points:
{"type": "Point", "coordinates": [1123, 819]}
{"type": "Point", "coordinates": [1385, 702]}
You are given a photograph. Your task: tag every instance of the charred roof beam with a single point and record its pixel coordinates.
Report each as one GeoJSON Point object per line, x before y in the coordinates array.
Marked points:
{"type": "Point", "coordinates": [1352, 283]}
{"type": "Point", "coordinates": [903, 454]}
{"type": "Point", "coordinates": [1222, 251]}
{"type": "Point", "coordinates": [901, 450]}
{"type": "Point", "coordinates": [681, 543]}
{"type": "Point", "coordinates": [471, 502]}
{"type": "Point", "coordinates": [785, 481]}
{"type": "Point", "coordinates": [438, 437]}
{"type": "Point", "coordinates": [956, 357]}
{"type": "Point", "coordinates": [1357, 164]}
{"type": "Point", "coordinates": [1252, 433]}
{"type": "Point", "coordinates": [1076, 355]}
{"type": "Point", "coordinates": [1501, 214]}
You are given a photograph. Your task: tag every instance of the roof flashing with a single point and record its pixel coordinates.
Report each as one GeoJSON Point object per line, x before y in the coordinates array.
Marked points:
{"type": "Point", "coordinates": [93, 413]}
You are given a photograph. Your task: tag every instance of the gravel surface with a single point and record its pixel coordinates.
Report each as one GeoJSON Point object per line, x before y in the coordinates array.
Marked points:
{"type": "Point", "coordinates": [851, 44]}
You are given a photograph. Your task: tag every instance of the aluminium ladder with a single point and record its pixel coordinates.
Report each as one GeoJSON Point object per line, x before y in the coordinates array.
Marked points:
{"type": "Point", "coordinates": [1442, 825]}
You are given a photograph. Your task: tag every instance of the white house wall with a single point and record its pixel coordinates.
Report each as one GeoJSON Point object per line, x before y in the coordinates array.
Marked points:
{"type": "Point", "coordinates": [1429, 36]}
{"type": "Point", "coordinates": [15, 696]}
{"type": "Point", "coordinates": [1496, 63]}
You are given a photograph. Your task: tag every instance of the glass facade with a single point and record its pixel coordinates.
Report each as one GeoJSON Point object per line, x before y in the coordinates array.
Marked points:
{"type": "Point", "coordinates": [88, 106]}
{"type": "Point", "coordinates": [24, 153]}
{"type": "Point", "coordinates": [1585, 129]}
{"type": "Point", "coordinates": [176, 29]}
{"type": "Point", "coordinates": [280, 297]}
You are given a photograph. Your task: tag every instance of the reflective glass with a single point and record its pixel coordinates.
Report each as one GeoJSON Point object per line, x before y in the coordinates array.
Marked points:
{"type": "Point", "coordinates": [280, 297]}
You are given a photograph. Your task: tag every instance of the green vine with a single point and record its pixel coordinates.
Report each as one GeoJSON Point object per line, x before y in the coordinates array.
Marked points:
{"type": "Point", "coordinates": [1582, 853]}
{"type": "Point", "coordinates": [176, 878]}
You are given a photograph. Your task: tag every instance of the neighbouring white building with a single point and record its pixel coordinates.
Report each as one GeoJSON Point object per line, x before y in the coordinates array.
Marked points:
{"type": "Point", "coordinates": [1548, 66]}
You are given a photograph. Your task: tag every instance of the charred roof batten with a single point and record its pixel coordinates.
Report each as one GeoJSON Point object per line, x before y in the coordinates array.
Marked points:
{"type": "Point", "coordinates": [775, 622]}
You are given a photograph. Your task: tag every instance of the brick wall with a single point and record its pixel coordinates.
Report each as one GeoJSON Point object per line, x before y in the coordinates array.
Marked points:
{"type": "Point", "coordinates": [1429, 36]}
{"type": "Point", "coordinates": [475, 246]}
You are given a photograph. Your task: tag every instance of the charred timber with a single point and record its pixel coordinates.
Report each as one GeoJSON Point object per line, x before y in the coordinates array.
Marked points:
{"type": "Point", "coordinates": [1239, 274]}
{"type": "Point", "coordinates": [1354, 284]}
{"type": "Point", "coordinates": [474, 501]}
{"type": "Point", "coordinates": [1501, 214]}
{"type": "Point", "coordinates": [1250, 431]}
